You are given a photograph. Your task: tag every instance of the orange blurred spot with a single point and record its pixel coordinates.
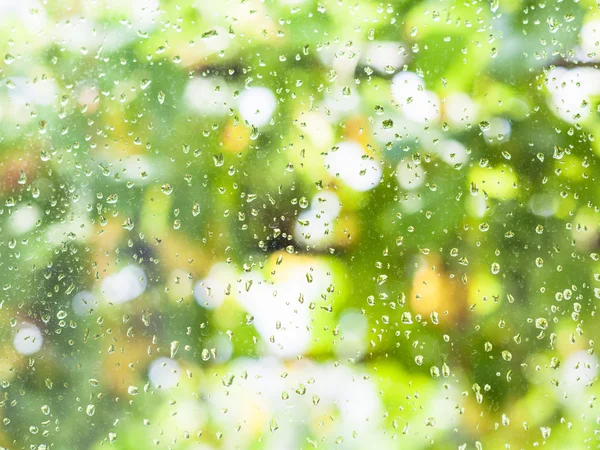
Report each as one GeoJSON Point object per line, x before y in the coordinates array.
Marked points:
{"type": "Point", "coordinates": [357, 129]}
{"type": "Point", "coordinates": [122, 353]}
{"type": "Point", "coordinates": [10, 171]}
{"type": "Point", "coordinates": [434, 290]}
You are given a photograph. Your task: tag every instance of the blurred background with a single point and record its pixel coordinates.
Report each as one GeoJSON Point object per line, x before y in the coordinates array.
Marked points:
{"type": "Point", "coordinates": [295, 224]}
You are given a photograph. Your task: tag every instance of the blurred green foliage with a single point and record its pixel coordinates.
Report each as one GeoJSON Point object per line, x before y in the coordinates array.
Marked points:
{"type": "Point", "coordinates": [295, 224]}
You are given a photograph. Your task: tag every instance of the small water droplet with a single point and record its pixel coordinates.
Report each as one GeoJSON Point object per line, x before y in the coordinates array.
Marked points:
{"type": "Point", "coordinates": [174, 348]}
{"type": "Point", "coordinates": [133, 390]}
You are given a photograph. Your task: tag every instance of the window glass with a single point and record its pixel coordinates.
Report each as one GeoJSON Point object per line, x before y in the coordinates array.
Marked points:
{"type": "Point", "coordinates": [295, 224]}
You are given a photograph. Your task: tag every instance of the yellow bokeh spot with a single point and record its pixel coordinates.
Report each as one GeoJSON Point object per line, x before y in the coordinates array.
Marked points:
{"type": "Point", "coordinates": [570, 167]}
{"type": "Point", "coordinates": [434, 291]}
{"type": "Point", "coordinates": [485, 293]}
{"type": "Point", "coordinates": [236, 137]}
{"type": "Point", "coordinates": [499, 182]}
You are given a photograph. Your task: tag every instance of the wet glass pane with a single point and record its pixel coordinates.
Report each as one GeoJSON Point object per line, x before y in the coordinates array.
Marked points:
{"type": "Point", "coordinates": [298, 224]}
